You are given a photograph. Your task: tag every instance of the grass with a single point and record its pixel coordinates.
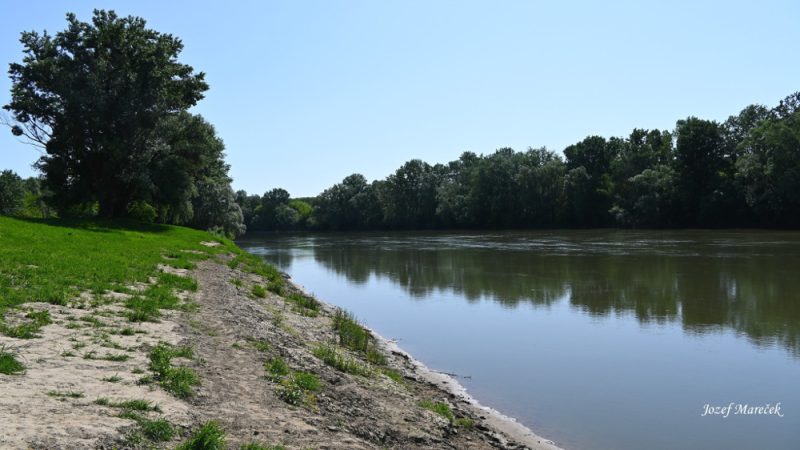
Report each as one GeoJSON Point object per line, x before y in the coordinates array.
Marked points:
{"type": "Point", "coordinates": [440, 408]}
{"type": "Point", "coordinates": [54, 260]}
{"type": "Point", "coordinates": [344, 363]}
{"type": "Point", "coordinates": [277, 369]}
{"type": "Point", "coordinates": [307, 306]}
{"type": "Point", "coordinates": [259, 291]}
{"type": "Point", "coordinates": [350, 332]}
{"type": "Point", "coordinates": [176, 380]}
{"type": "Point", "coordinates": [158, 430]}
{"type": "Point", "coordinates": [131, 405]}
{"type": "Point", "coordinates": [295, 388]}
{"type": "Point", "coordinates": [29, 329]}
{"type": "Point", "coordinates": [209, 437]}
{"type": "Point", "coordinates": [9, 365]}
{"type": "Point", "coordinates": [261, 346]}
{"type": "Point", "coordinates": [68, 394]}
{"type": "Point", "coordinates": [259, 446]}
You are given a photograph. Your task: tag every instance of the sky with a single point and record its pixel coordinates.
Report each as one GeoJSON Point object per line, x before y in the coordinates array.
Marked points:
{"type": "Point", "coordinates": [305, 93]}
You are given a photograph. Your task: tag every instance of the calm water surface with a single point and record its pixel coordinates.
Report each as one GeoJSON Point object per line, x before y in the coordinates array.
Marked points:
{"type": "Point", "coordinates": [595, 339]}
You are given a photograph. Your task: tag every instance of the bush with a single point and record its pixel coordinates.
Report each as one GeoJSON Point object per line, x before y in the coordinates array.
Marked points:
{"type": "Point", "coordinates": [142, 211]}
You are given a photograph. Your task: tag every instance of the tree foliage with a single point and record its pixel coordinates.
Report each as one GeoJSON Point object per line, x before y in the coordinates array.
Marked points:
{"type": "Point", "coordinates": [107, 101]}
{"type": "Point", "coordinates": [739, 173]}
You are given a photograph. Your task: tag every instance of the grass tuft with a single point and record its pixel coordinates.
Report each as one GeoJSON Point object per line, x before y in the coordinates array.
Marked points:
{"type": "Point", "coordinates": [440, 408]}
{"type": "Point", "coordinates": [341, 362]}
{"type": "Point", "coordinates": [209, 437]}
{"type": "Point", "coordinates": [8, 362]}
{"type": "Point", "coordinates": [176, 380]}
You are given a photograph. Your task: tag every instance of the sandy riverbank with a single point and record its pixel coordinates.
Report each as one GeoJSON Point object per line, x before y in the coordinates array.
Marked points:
{"type": "Point", "coordinates": [54, 404]}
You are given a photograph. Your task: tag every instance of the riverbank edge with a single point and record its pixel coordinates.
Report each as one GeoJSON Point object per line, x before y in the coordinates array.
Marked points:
{"type": "Point", "coordinates": [496, 420]}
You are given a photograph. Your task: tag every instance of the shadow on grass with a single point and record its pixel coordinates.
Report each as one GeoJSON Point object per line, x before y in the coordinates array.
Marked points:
{"type": "Point", "coordinates": [99, 225]}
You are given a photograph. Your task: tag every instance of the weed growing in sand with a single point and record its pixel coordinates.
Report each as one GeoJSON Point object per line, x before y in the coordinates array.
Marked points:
{"type": "Point", "coordinates": [259, 291]}
{"type": "Point", "coordinates": [393, 375]}
{"type": "Point", "coordinates": [307, 306]}
{"type": "Point", "coordinates": [257, 446]}
{"type": "Point", "coordinates": [262, 346]}
{"type": "Point", "coordinates": [27, 330]}
{"type": "Point", "coordinates": [297, 389]}
{"type": "Point", "coordinates": [68, 394]}
{"type": "Point", "coordinates": [8, 362]}
{"type": "Point", "coordinates": [464, 422]}
{"type": "Point", "coordinates": [177, 380]}
{"type": "Point", "coordinates": [237, 282]}
{"type": "Point", "coordinates": [209, 437]}
{"type": "Point", "coordinates": [440, 408]}
{"type": "Point", "coordinates": [276, 369]}
{"type": "Point", "coordinates": [127, 331]}
{"type": "Point", "coordinates": [159, 430]}
{"type": "Point", "coordinates": [344, 363]}
{"type": "Point", "coordinates": [351, 334]}
{"type": "Point", "coordinates": [132, 405]}
{"type": "Point", "coordinates": [112, 379]}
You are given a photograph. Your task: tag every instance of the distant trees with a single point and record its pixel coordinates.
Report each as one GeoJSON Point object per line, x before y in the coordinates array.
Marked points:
{"type": "Point", "coordinates": [107, 100]}
{"type": "Point", "coordinates": [743, 172]}
{"type": "Point", "coordinates": [12, 193]}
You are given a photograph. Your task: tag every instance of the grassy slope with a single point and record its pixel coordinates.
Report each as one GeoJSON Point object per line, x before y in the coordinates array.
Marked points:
{"type": "Point", "coordinates": [54, 260]}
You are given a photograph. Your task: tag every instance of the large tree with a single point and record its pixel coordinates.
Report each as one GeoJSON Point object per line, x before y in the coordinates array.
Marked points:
{"type": "Point", "coordinates": [93, 96]}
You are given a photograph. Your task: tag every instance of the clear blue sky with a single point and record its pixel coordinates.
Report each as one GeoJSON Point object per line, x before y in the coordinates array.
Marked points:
{"type": "Point", "coordinates": [305, 93]}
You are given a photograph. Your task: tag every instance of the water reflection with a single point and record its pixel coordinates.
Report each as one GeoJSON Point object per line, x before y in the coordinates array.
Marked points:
{"type": "Point", "coordinates": [706, 281]}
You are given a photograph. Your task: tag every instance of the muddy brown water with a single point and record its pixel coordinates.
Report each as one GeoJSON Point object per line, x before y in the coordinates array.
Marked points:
{"type": "Point", "coordinates": [595, 339]}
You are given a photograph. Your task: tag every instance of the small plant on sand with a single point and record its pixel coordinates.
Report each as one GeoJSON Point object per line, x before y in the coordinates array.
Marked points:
{"type": "Point", "coordinates": [112, 379]}
{"type": "Point", "coordinates": [68, 394]}
{"type": "Point", "coordinates": [351, 334]}
{"type": "Point", "coordinates": [261, 346]}
{"type": "Point", "coordinates": [209, 437]}
{"type": "Point", "coordinates": [277, 369]}
{"type": "Point", "coordinates": [440, 408]}
{"type": "Point", "coordinates": [257, 446]}
{"type": "Point", "coordinates": [8, 362]}
{"type": "Point", "coordinates": [259, 291]}
{"type": "Point", "coordinates": [333, 358]}
{"type": "Point", "coordinates": [177, 380]}
{"type": "Point", "coordinates": [297, 389]}
{"type": "Point", "coordinates": [237, 282]}
{"type": "Point", "coordinates": [464, 422]}
{"type": "Point", "coordinates": [27, 330]}
{"type": "Point", "coordinates": [131, 405]}
{"type": "Point", "coordinates": [159, 430]}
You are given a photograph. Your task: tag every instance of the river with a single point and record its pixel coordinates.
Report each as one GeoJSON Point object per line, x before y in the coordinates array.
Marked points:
{"type": "Point", "coordinates": [598, 340]}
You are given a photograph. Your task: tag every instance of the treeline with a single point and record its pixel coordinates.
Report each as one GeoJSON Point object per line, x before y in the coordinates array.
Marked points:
{"type": "Point", "coordinates": [744, 172]}
{"type": "Point", "coordinates": [107, 103]}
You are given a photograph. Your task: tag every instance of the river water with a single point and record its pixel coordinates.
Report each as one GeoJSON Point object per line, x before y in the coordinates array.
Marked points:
{"type": "Point", "coordinates": [612, 340]}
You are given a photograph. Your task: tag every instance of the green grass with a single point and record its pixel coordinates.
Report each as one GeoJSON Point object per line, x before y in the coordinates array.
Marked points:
{"type": "Point", "coordinates": [176, 380]}
{"type": "Point", "coordinates": [28, 329]}
{"type": "Point", "coordinates": [259, 291]}
{"type": "Point", "coordinates": [277, 369]}
{"type": "Point", "coordinates": [112, 379]}
{"type": "Point", "coordinates": [259, 446]}
{"type": "Point", "coordinates": [350, 332]}
{"type": "Point", "coordinates": [9, 365]}
{"type": "Point", "coordinates": [339, 361]}
{"type": "Point", "coordinates": [209, 437]}
{"type": "Point", "coordinates": [68, 394]}
{"type": "Point", "coordinates": [54, 260]}
{"type": "Point", "coordinates": [464, 422]}
{"type": "Point", "coordinates": [307, 306]}
{"type": "Point", "coordinates": [261, 346]}
{"type": "Point", "coordinates": [131, 405]}
{"type": "Point", "coordinates": [440, 408]}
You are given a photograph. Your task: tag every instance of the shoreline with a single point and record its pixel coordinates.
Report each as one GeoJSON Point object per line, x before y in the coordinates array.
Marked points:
{"type": "Point", "coordinates": [505, 425]}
